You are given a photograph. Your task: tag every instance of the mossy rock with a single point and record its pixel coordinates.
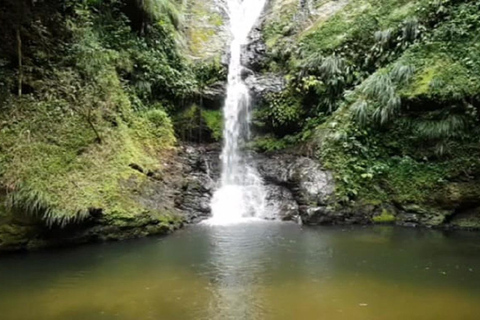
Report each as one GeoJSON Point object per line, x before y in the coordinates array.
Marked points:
{"type": "Point", "coordinates": [459, 194]}
{"type": "Point", "coordinates": [120, 226]}
{"type": "Point", "coordinates": [197, 124]}
{"type": "Point", "coordinates": [15, 237]}
{"type": "Point", "coordinates": [385, 217]}
{"type": "Point", "coordinates": [469, 219]}
{"type": "Point", "coordinates": [423, 215]}
{"type": "Point", "coordinates": [207, 35]}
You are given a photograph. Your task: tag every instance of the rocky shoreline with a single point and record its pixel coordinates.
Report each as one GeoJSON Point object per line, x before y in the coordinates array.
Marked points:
{"type": "Point", "coordinates": [297, 189]}
{"type": "Point", "coordinates": [182, 197]}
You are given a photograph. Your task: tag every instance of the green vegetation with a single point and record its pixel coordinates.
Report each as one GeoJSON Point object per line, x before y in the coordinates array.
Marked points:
{"type": "Point", "coordinates": [197, 124]}
{"type": "Point", "coordinates": [384, 217]}
{"type": "Point", "coordinates": [87, 91]}
{"type": "Point", "coordinates": [214, 121]}
{"type": "Point", "coordinates": [386, 93]}
{"type": "Point", "coordinates": [95, 94]}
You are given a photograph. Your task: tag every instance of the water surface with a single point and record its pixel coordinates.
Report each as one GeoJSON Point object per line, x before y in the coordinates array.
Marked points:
{"type": "Point", "coordinates": [252, 271]}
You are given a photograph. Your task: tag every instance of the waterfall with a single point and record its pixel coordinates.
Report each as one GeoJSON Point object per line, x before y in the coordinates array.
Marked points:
{"type": "Point", "coordinates": [241, 194]}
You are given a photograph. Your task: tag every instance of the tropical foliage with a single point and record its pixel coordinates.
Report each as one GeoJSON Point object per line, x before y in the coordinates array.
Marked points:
{"type": "Point", "coordinates": [85, 92]}
{"type": "Point", "coordinates": [388, 91]}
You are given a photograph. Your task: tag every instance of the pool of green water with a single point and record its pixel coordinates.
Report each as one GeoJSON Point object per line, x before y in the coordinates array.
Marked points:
{"type": "Point", "coordinates": [261, 270]}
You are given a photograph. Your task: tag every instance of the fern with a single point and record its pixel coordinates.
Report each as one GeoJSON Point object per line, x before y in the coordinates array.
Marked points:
{"type": "Point", "coordinates": [411, 29]}
{"type": "Point", "coordinates": [441, 131]}
{"type": "Point", "coordinates": [332, 66]}
{"type": "Point", "coordinates": [450, 126]}
{"type": "Point", "coordinates": [378, 86]}
{"type": "Point", "coordinates": [36, 204]}
{"type": "Point", "coordinates": [326, 67]}
{"type": "Point", "coordinates": [310, 63]}
{"type": "Point", "coordinates": [383, 38]}
{"type": "Point", "coordinates": [380, 90]}
{"type": "Point", "coordinates": [402, 73]}
{"type": "Point", "coordinates": [360, 111]}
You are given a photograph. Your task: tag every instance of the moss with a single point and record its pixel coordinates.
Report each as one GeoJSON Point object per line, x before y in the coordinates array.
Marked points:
{"type": "Point", "coordinates": [469, 219]}
{"type": "Point", "coordinates": [268, 143]}
{"type": "Point", "coordinates": [115, 226]}
{"type": "Point", "coordinates": [406, 176]}
{"type": "Point", "coordinates": [401, 13]}
{"type": "Point", "coordinates": [90, 135]}
{"type": "Point", "coordinates": [358, 19]}
{"type": "Point", "coordinates": [197, 124]}
{"type": "Point", "coordinates": [401, 160]}
{"type": "Point", "coordinates": [410, 153]}
{"type": "Point", "coordinates": [292, 33]}
{"type": "Point", "coordinates": [384, 218]}
{"type": "Point", "coordinates": [205, 34]}
{"type": "Point", "coordinates": [330, 33]}
{"type": "Point", "coordinates": [441, 75]}
{"type": "Point", "coordinates": [64, 172]}
{"type": "Point", "coordinates": [279, 20]}
{"type": "Point", "coordinates": [13, 237]}
{"type": "Point", "coordinates": [214, 122]}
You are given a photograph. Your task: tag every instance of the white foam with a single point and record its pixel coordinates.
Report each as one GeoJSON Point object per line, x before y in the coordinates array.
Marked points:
{"type": "Point", "coordinates": [241, 194]}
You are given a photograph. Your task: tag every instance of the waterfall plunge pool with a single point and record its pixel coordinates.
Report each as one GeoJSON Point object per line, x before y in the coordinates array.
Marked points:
{"type": "Point", "coordinates": [247, 271]}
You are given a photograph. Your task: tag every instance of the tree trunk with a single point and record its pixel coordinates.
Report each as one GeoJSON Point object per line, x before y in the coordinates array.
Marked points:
{"type": "Point", "coordinates": [20, 62]}
{"type": "Point", "coordinates": [143, 18]}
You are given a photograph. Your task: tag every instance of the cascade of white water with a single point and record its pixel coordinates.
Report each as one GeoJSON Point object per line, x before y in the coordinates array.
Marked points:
{"type": "Point", "coordinates": [241, 194]}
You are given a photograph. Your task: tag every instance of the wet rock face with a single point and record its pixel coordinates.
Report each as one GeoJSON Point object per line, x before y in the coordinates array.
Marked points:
{"type": "Point", "coordinates": [32, 235]}
{"type": "Point", "coordinates": [206, 28]}
{"type": "Point", "coordinates": [467, 219]}
{"type": "Point", "coordinates": [254, 52]}
{"type": "Point", "coordinates": [295, 185]}
{"type": "Point", "coordinates": [281, 203]}
{"type": "Point", "coordinates": [214, 95]}
{"type": "Point", "coordinates": [326, 215]}
{"type": "Point", "coordinates": [201, 171]}
{"type": "Point", "coordinates": [414, 215]}
{"type": "Point", "coordinates": [261, 85]}
{"type": "Point", "coordinates": [311, 184]}
{"type": "Point", "coordinates": [253, 59]}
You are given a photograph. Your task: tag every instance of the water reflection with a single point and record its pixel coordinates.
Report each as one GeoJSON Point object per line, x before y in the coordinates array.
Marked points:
{"type": "Point", "coordinates": [238, 269]}
{"type": "Point", "coordinates": [268, 271]}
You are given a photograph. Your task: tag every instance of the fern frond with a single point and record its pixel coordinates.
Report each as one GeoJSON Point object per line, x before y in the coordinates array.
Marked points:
{"type": "Point", "coordinates": [378, 86]}
{"type": "Point", "coordinates": [410, 29]}
{"type": "Point", "coordinates": [35, 203]}
{"type": "Point", "coordinates": [384, 37]}
{"type": "Point", "coordinates": [313, 61]}
{"type": "Point", "coordinates": [451, 126]}
{"type": "Point", "coordinates": [402, 73]}
{"type": "Point", "coordinates": [360, 112]}
{"type": "Point", "coordinates": [331, 66]}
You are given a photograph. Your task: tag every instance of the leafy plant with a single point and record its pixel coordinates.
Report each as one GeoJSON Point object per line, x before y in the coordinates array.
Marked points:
{"type": "Point", "coordinates": [378, 98]}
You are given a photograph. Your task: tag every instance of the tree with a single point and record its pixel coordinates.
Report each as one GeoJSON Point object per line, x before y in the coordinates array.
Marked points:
{"type": "Point", "coordinates": [14, 14]}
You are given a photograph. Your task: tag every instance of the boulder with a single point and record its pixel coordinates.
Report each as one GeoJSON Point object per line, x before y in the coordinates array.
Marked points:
{"type": "Point", "coordinates": [296, 187]}
{"type": "Point", "coordinates": [280, 203]}
{"type": "Point", "coordinates": [304, 177]}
